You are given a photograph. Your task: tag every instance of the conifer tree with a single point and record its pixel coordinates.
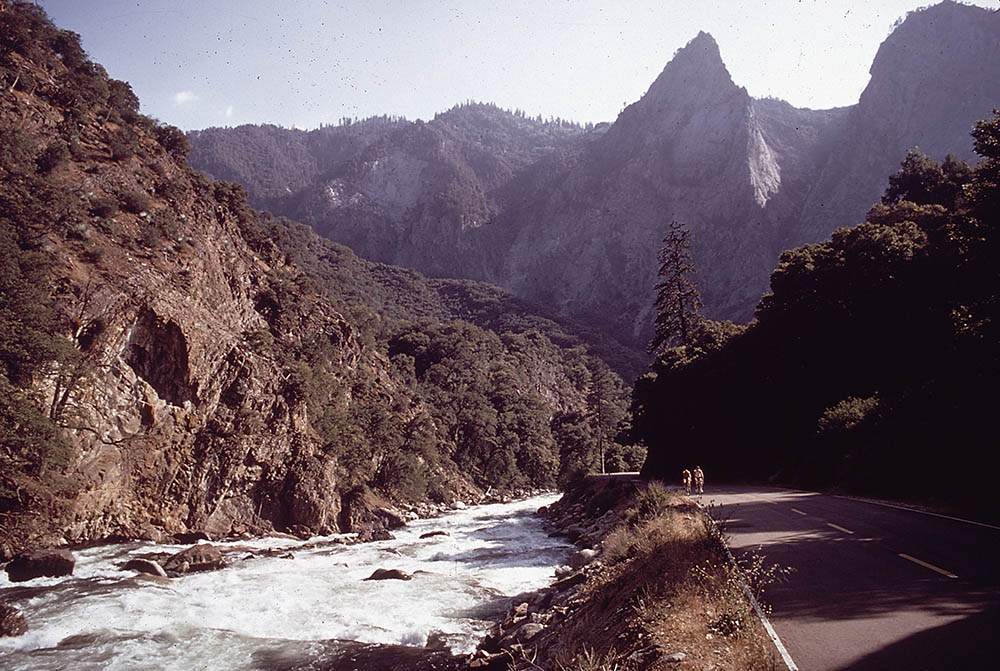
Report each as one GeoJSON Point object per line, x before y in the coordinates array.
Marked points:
{"type": "Point", "coordinates": [677, 297]}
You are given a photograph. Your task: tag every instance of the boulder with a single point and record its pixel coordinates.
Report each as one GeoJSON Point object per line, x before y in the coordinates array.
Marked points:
{"type": "Point", "coordinates": [153, 535]}
{"type": "Point", "coordinates": [563, 571]}
{"type": "Point", "coordinates": [376, 534]}
{"type": "Point", "coordinates": [192, 537]}
{"type": "Point", "coordinates": [490, 662]}
{"type": "Point", "coordinates": [147, 566]}
{"type": "Point", "coordinates": [439, 532]}
{"type": "Point", "coordinates": [362, 513]}
{"type": "Point", "coordinates": [393, 519]}
{"type": "Point", "coordinates": [389, 574]}
{"type": "Point", "coordinates": [39, 563]}
{"type": "Point", "coordinates": [300, 532]}
{"type": "Point", "coordinates": [201, 557]}
{"type": "Point", "coordinates": [529, 631]}
{"type": "Point", "coordinates": [12, 623]}
{"type": "Point", "coordinates": [521, 634]}
{"type": "Point", "coordinates": [582, 557]}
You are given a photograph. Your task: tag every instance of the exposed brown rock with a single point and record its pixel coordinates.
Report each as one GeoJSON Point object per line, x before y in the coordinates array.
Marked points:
{"type": "Point", "coordinates": [12, 622]}
{"type": "Point", "coordinates": [389, 574]}
{"type": "Point", "coordinates": [147, 566]}
{"type": "Point", "coordinates": [201, 557]}
{"type": "Point", "coordinates": [40, 563]}
{"type": "Point", "coordinates": [192, 537]}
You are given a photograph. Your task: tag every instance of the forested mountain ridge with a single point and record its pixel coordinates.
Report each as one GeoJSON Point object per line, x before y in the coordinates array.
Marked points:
{"type": "Point", "coordinates": [571, 218]}
{"type": "Point", "coordinates": [394, 293]}
{"type": "Point", "coordinates": [167, 365]}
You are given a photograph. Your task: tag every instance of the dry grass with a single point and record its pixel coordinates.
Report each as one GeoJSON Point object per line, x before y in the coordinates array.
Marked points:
{"type": "Point", "coordinates": [667, 585]}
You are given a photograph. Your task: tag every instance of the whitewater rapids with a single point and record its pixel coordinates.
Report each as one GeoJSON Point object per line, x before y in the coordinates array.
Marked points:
{"type": "Point", "coordinates": [266, 607]}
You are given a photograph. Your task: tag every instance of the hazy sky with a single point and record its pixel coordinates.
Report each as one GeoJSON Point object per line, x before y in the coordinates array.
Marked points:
{"type": "Point", "coordinates": [300, 63]}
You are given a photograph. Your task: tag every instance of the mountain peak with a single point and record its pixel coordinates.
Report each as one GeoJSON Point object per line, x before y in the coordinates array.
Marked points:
{"type": "Point", "coordinates": [933, 63]}
{"type": "Point", "coordinates": [935, 36]}
{"type": "Point", "coordinates": [697, 66]}
{"type": "Point", "coordinates": [702, 42]}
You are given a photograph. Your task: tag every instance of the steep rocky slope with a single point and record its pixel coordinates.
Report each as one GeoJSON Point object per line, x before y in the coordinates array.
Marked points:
{"type": "Point", "coordinates": [171, 368]}
{"type": "Point", "coordinates": [692, 149]}
{"type": "Point", "coordinates": [931, 79]}
{"type": "Point", "coordinates": [176, 417]}
{"type": "Point", "coordinates": [572, 217]}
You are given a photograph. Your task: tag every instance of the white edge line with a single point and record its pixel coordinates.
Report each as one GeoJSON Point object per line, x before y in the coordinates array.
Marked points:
{"type": "Point", "coordinates": [782, 650]}
{"type": "Point", "coordinates": [917, 510]}
{"type": "Point", "coordinates": [771, 632]}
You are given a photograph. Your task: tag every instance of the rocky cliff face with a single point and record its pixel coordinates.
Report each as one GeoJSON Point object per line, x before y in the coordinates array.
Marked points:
{"type": "Point", "coordinates": [178, 419]}
{"type": "Point", "coordinates": [574, 221]}
{"type": "Point", "coordinates": [691, 149]}
{"type": "Point", "coordinates": [930, 82]}
{"type": "Point", "coordinates": [181, 402]}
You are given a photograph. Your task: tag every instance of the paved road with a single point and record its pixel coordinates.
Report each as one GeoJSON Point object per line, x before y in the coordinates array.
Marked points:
{"type": "Point", "coordinates": [871, 587]}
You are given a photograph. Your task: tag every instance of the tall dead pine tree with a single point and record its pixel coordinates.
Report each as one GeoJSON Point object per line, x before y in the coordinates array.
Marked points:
{"type": "Point", "coordinates": [677, 297]}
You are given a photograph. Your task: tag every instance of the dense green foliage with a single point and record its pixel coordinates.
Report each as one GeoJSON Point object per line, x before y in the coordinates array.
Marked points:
{"type": "Point", "coordinates": [30, 344]}
{"type": "Point", "coordinates": [872, 365]}
{"type": "Point", "coordinates": [30, 439]}
{"type": "Point", "coordinates": [677, 297]}
{"type": "Point", "coordinates": [513, 398]}
{"type": "Point", "coordinates": [395, 293]}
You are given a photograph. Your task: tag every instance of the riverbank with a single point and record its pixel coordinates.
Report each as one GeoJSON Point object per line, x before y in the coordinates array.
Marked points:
{"type": "Point", "coordinates": [648, 587]}
{"type": "Point", "coordinates": [284, 603]}
{"type": "Point", "coordinates": [651, 588]}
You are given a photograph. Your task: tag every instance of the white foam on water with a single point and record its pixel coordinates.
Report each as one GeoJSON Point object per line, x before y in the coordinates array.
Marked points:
{"type": "Point", "coordinates": [105, 618]}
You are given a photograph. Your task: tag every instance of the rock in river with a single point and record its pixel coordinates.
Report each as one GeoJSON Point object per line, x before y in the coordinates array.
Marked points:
{"type": "Point", "coordinates": [389, 574]}
{"type": "Point", "coordinates": [39, 563]}
{"type": "Point", "coordinates": [201, 557]}
{"type": "Point", "coordinates": [147, 566]}
{"type": "Point", "coordinates": [12, 623]}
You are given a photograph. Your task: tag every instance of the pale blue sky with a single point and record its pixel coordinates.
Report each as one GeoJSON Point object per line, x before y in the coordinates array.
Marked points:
{"type": "Point", "coordinates": [205, 63]}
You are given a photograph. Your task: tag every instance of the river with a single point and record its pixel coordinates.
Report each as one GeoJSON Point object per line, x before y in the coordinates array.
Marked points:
{"type": "Point", "coordinates": [262, 608]}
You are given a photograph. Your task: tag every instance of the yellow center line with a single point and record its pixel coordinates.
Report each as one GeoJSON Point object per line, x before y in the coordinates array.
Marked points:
{"type": "Point", "coordinates": [796, 510]}
{"type": "Point", "coordinates": [926, 565]}
{"type": "Point", "coordinates": [839, 528]}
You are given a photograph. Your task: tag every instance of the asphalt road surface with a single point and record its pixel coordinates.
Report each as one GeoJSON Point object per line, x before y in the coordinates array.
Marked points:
{"type": "Point", "coordinates": [870, 586]}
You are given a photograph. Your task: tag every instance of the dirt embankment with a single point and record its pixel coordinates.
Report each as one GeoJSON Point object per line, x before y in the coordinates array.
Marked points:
{"type": "Point", "coordinates": [650, 588]}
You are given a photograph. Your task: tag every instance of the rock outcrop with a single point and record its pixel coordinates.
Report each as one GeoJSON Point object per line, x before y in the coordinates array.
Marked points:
{"type": "Point", "coordinates": [926, 90]}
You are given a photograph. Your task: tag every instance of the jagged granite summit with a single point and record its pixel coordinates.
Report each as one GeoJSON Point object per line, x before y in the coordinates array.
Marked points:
{"type": "Point", "coordinates": [572, 217]}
